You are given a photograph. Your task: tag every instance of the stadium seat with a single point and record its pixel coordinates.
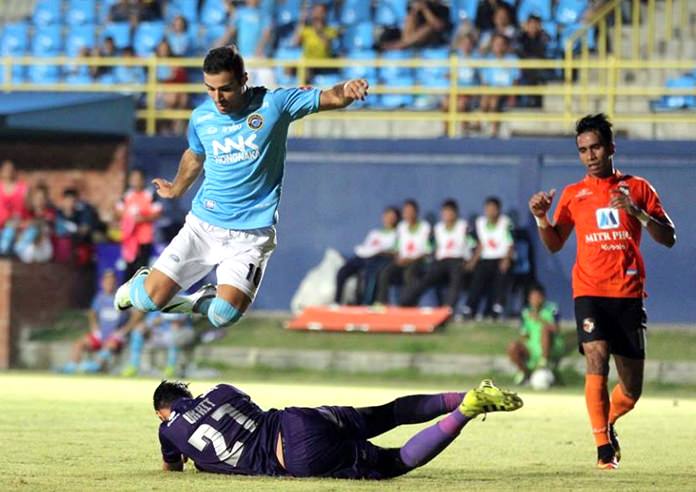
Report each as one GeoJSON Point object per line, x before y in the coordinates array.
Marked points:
{"type": "Point", "coordinates": [210, 34]}
{"type": "Point", "coordinates": [427, 73]}
{"type": "Point", "coordinates": [284, 77]}
{"type": "Point", "coordinates": [47, 41]}
{"type": "Point", "coordinates": [463, 10]}
{"type": "Point", "coordinates": [390, 72]}
{"type": "Point", "coordinates": [213, 12]}
{"type": "Point", "coordinates": [325, 80]}
{"type": "Point", "coordinates": [568, 30]}
{"type": "Point", "coordinates": [677, 101]}
{"type": "Point", "coordinates": [147, 37]}
{"type": "Point", "coordinates": [120, 31]}
{"type": "Point", "coordinates": [104, 7]}
{"type": "Point", "coordinates": [15, 39]}
{"type": "Point", "coordinates": [390, 12]}
{"type": "Point", "coordinates": [81, 12]}
{"type": "Point", "coordinates": [79, 36]}
{"type": "Point", "coordinates": [395, 101]}
{"type": "Point", "coordinates": [184, 44]}
{"type": "Point", "coordinates": [186, 8]}
{"type": "Point", "coordinates": [47, 12]}
{"type": "Point", "coordinates": [570, 11]}
{"type": "Point", "coordinates": [361, 71]}
{"type": "Point", "coordinates": [287, 11]}
{"type": "Point", "coordinates": [359, 37]}
{"type": "Point", "coordinates": [540, 8]}
{"type": "Point", "coordinates": [354, 11]}
{"type": "Point", "coordinates": [500, 76]}
{"type": "Point", "coordinates": [467, 76]}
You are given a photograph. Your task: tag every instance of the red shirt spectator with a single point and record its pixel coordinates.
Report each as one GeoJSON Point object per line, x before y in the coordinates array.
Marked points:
{"type": "Point", "coordinates": [13, 194]}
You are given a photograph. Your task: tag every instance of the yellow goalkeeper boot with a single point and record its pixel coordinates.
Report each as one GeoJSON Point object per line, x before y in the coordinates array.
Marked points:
{"type": "Point", "coordinates": [487, 398]}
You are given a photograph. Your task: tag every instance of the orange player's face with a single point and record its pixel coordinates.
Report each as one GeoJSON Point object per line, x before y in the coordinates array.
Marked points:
{"type": "Point", "coordinates": [226, 91]}
{"type": "Point", "coordinates": [595, 155]}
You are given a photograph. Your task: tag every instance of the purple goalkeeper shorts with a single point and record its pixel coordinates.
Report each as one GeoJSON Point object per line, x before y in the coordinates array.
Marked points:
{"type": "Point", "coordinates": [327, 442]}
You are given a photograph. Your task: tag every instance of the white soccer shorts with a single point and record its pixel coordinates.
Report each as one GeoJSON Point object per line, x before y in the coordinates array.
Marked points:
{"type": "Point", "coordinates": [240, 257]}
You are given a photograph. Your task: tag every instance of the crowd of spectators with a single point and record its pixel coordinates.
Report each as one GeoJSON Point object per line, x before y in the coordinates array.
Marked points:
{"type": "Point", "coordinates": [287, 29]}
{"type": "Point", "coordinates": [477, 256]}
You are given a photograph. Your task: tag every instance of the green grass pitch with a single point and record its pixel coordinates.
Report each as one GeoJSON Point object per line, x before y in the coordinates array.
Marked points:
{"type": "Point", "coordinates": [83, 433]}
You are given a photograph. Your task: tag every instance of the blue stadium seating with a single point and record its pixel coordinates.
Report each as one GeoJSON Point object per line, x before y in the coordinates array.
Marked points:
{"type": "Point", "coordinates": [120, 31]}
{"type": "Point", "coordinates": [213, 12]}
{"type": "Point", "coordinates": [355, 11]}
{"type": "Point", "coordinates": [500, 76]}
{"type": "Point", "coordinates": [386, 73]}
{"type": "Point", "coordinates": [186, 8]}
{"type": "Point", "coordinates": [359, 37]}
{"type": "Point", "coordinates": [210, 34]}
{"type": "Point", "coordinates": [81, 12]}
{"type": "Point", "coordinates": [184, 44]}
{"type": "Point", "coordinates": [390, 12]}
{"type": "Point", "coordinates": [79, 36]}
{"type": "Point", "coordinates": [325, 80]}
{"type": "Point", "coordinates": [287, 11]}
{"type": "Point", "coordinates": [78, 75]}
{"type": "Point", "coordinates": [570, 11]}
{"type": "Point", "coordinates": [47, 12]}
{"type": "Point", "coordinates": [15, 39]}
{"type": "Point", "coordinates": [47, 41]}
{"type": "Point", "coordinates": [673, 102]}
{"type": "Point", "coordinates": [395, 101]}
{"type": "Point", "coordinates": [568, 30]}
{"type": "Point", "coordinates": [147, 37]}
{"type": "Point", "coordinates": [463, 9]}
{"type": "Point", "coordinates": [103, 10]}
{"type": "Point", "coordinates": [427, 73]}
{"type": "Point", "coordinates": [282, 77]}
{"type": "Point", "coordinates": [541, 8]}
{"type": "Point", "coordinates": [358, 71]}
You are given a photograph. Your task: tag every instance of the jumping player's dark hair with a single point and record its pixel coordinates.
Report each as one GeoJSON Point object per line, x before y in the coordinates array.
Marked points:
{"type": "Point", "coordinates": [452, 204]}
{"type": "Point", "coordinates": [224, 59]}
{"type": "Point", "coordinates": [598, 123]}
{"type": "Point", "coordinates": [493, 200]}
{"type": "Point", "coordinates": [413, 203]}
{"type": "Point", "coordinates": [168, 392]}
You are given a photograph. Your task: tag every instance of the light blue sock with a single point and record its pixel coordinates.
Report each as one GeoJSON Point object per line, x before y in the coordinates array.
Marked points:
{"type": "Point", "coordinates": [136, 348]}
{"type": "Point", "coordinates": [204, 306]}
{"type": "Point", "coordinates": [139, 296]}
{"type": "Point", "coordinates": [89, 366]}
{"type": "Point", "coordinates": [68, 368]}
{"type": "Point", "coordinates": [221, 313]}
{"type": "Point", "coordinates": [104, 356]}
{"type": "Point", "coordinates": [172, 356]}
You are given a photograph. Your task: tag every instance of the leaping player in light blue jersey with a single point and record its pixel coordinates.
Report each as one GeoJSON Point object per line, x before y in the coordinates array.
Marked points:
{"type": "Point", "coordinates": [239, 138]}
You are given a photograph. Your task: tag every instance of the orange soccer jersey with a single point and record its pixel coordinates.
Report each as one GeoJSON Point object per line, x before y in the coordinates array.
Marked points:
{"type": "Point", "coordinates": [608, 263]}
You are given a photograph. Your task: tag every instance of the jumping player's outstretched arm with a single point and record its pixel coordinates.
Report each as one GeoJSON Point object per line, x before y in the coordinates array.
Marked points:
{"type": "Point", "coordinates": [553, 236]}
{"type": "Point", "coordinates": [343, 94]}
{"type": "Point", "coordinates": [190, 167]}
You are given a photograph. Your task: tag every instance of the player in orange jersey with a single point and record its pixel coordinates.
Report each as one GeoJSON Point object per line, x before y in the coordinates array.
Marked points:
{"type": "Point", "coordinates": [608, 209]}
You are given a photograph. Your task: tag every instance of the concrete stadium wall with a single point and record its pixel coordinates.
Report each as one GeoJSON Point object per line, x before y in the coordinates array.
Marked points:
{"type": "Point", "coordinates": [335, 190]}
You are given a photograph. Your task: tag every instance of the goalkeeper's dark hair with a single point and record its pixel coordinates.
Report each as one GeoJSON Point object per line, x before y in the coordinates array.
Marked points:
{"type": "Point", "coordinates": [168, 392]}
{"type": "Point", "coordinates": [224, 59]}
{"type": "Point", "coordinates": [598, 123]}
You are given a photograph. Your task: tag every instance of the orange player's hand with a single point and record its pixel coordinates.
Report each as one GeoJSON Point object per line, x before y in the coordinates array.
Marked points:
{"type": "Point", "coordinates": [540, 203]}
{"type": "Point", "coordinates": [621, 199]}
{"type": "Point", "coordinates": [163, 187]}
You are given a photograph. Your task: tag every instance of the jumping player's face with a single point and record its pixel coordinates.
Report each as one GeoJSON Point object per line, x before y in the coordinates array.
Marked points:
{"type": "Point", "coordinates": [595, 155]}
{"type": "Point", "coordinates": [226, 91]}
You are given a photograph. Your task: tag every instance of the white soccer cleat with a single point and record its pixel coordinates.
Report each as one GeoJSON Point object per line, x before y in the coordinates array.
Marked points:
{"type": "Point", "coordinates": [189, 304]}
{"type": "Point", "coordinates": [122, 299]}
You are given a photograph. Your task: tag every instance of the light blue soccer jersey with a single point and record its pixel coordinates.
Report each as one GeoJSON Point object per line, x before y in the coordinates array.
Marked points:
{"type": "Point", "coordinates": [245, 156]}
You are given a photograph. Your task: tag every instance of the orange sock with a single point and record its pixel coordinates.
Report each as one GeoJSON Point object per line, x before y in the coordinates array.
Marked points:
{"type": "Point", "coordinates": [597, 399]}
{"type": "Point", "coordinates": [620, 404]}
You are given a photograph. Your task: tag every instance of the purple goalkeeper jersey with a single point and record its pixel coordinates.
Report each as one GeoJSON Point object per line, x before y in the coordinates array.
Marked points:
{"type": "Point", "coordinates": [222, 431]}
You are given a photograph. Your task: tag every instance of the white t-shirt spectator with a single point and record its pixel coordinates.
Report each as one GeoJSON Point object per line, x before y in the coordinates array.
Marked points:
{"type": "Point", "coordinates": [495, 239]}
{"type": "Point", "coordinates": [413, 242]}
{"type": "Point", "coordinates": [452, 242]}
{"type": "Point", "coordinates": [376, 242]}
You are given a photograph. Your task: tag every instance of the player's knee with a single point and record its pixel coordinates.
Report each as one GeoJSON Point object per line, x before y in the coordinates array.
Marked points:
{"type": "Point", "coordinates": [221, 313]}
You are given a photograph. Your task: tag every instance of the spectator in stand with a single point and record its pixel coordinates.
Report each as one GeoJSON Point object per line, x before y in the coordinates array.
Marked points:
{"type": "Point", "coordinates": [532, 43]}
{"type": "Point", "coordinates": [172, 332]}
{"type": "Point", "coordinates": [122, 11]}
{"type": "Point", "coordinates": [316, 36]}
{"type": "Point", "coordinates": [504, 76]}
{"type": "Point", "coordinates": [13, 205]}
{"type": "Point", "coordinates": [485, 11]}
{"type": "Point", "coordinates": [34, 241]}
{"type": "Point", "coordinates": [135, 11]}
{"type": "Point", "coordinates": [137, 211]}
{"type": "Point", "coordinates": [427, 24]}
{"type": "Point", "coordinates": [108, 328]}
{"type": "Point", "coordinates": [491, 261]}
{"type": "Point", "coordinates": [540, 344]}
{"type": "Point", "coordinates": [452, 251]}
{"type": "Point", "coordinates": [371, 256]}
{"type": "Point", "coordinates": [177, 34]}
{"type": "Point", "coordinates": [167, 74]}
{"type": "Point", "coordinates": [149, 10]}
{"type": "Point", "coordinates": [465, 49]}
{"type": "Point", "coordinates": [502, 25]}
{"type": "Point", "coordinates": [105, 74]}
{"type": "Point", "coordinates": [250, 29]}
{"type": "Point", "coordinates": [413, 247]}
{"type": "Point", "coordinates": [77, 228]}
{"type": "Point", "coordinates": [76, 73]}
{"type": "Point", "coordinates": [129, 74]}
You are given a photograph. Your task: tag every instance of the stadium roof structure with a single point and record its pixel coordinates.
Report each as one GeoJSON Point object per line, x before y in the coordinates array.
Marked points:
{"type": "Point", "coordinates": [74, 113]}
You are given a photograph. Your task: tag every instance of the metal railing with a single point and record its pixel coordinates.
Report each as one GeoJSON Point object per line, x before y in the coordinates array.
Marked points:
{"type": "Point", "coordinates": [583, 77]}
